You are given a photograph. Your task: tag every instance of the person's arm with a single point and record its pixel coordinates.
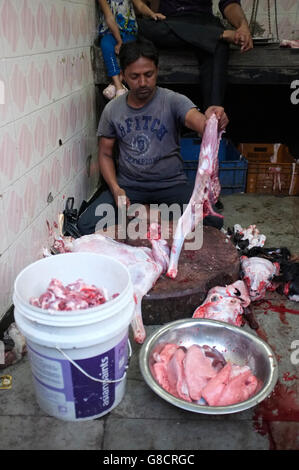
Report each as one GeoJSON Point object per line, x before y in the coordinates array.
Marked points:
{"type": "Point", "coordinates": [146, 11]}
{"type": "Point", "coordinates": [155, 4]}
{"type": "Point", "coordinates": [196, 121]}
{"type": "Point", "coordinates": [233, 12]}
{"type": "Point", "coordinates": [107, 169]}
{"type": "Point", "coordinates": [111, 23]}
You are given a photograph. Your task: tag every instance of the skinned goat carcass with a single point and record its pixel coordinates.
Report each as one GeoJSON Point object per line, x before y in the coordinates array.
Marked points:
{"type": "Point", "coordinates": [205, 193]}
{"type": "Point", "coordinates": [145, 264]}
{"type": "Point", "coordinates": [258, 275]}
{"type": "Point", "coordinates": [225, 304]}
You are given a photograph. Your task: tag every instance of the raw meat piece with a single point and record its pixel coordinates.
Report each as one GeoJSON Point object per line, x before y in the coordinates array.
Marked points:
{"type": "Point", "coordinates": [166, 353]}
{"type": "Point", "coordinates": [205, 193]}
{"type": "Point", "coordinates": [176, 374]}
{"type": "Point", "coordinates": [293, 43]}
{"type": "Point", "coordinates": [192, 375]}
{"type": "Point", "coordinates": [242, 385]}
{"type": "Point", "coordinates": [160, 367]}
{"type": "Point", "coordinates": [214, 389]}
{"type": "Point", "coordinates": [258, 274]}
{"type": "Point", "coordinates": [75, 296]}
{"type": "Point", "coordinates": [216, 357]}
{"type": "Point", "coordinates": [198, 371]}
{"type": "Point", "coordinates": [225, 304]}
{"type": "Point", "coordinates": [145, 264]}
{"type": "Point", "coordinates": [233, 384]}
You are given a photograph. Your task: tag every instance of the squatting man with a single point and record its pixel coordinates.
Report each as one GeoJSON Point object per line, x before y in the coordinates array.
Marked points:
{"type": "Point", "coordinates": [145, 122]}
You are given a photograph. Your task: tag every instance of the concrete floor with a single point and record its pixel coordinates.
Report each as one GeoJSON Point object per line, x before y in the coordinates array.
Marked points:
{"type": "Point", "coordinates": [143, 420]}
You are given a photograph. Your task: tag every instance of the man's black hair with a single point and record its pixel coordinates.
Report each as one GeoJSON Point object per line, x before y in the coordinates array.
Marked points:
{"type": "Point", "coordinates": [133, 50]}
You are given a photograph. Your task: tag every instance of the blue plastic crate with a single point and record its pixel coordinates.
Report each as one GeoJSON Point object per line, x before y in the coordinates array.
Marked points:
{"type": "Point", "coordinates": [190, 148]}
{"type": "Point", "coordinates": [232, 175]}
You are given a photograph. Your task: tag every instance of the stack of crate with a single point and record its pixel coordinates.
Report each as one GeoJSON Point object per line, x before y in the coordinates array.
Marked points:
{"type": "Point", "coordinates": [271, 169]}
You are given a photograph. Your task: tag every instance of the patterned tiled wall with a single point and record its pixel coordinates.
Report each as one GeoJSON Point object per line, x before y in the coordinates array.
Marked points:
{"type": "Point", "coordinates": [287, 16]}
{"type": "Point", "coordinates": [47, 123]}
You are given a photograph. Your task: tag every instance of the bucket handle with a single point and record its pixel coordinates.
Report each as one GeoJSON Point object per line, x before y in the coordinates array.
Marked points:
{"type": "Point", "coordinates": [95, 378]}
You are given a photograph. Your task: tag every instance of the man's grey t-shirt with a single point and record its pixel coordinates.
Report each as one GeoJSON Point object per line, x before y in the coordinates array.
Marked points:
{"type": "Point", "coordinates": [148, 137]}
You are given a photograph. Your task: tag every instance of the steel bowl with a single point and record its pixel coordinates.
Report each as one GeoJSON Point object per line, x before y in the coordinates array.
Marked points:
{"type": "Point", "coordinates": [236, 345]}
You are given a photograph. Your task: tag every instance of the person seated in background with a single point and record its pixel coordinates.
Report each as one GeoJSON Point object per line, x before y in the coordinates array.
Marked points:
{"type": "Point", "coordinates": [192, 24]}
{"type": "Point", "coordinates": [145, 122]}
{"type": "Point", "coordinates": [118, 25]}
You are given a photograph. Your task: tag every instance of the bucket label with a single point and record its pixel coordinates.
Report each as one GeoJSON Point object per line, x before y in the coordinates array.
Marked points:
{"type": "Point", "coordinates": [64, 391]}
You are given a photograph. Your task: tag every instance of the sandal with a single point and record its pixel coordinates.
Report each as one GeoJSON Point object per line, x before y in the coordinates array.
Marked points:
{"type": "Point", "coordinates": [120, 92]}
{"type": "Point", "coordinates": [109, 92]}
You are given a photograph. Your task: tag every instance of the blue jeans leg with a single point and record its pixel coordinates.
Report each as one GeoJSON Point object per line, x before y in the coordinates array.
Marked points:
{"type": "Point", "coordinates": [108, 42]}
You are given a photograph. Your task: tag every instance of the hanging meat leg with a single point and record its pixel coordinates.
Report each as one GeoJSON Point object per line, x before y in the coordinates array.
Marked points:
{"type": "Point", "coordinates": [205, 193]}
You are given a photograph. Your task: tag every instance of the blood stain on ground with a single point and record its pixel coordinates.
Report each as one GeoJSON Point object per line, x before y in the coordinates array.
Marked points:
{"type": "Point", "coordinates": [281, 406]}
{"type": "Point", "coordinates": [280, 309]}
{"type": "Point", "coordinates": [287, 377]}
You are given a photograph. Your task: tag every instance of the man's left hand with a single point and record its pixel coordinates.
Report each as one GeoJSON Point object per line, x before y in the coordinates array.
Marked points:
{"type": "Point", "coordinates": [220, 115]}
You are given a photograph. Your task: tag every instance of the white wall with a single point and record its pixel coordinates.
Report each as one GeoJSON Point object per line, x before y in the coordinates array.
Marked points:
{"type": "Point", "coordinates": [47, 123]}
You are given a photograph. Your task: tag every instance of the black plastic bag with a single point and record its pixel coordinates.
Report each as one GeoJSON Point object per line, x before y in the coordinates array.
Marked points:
{"type": "Point", "coordinates": [70, 219]}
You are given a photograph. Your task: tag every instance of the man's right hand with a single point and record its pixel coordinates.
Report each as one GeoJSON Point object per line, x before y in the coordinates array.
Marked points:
{"type": "Point", "coordinates": [220, 115]}
{"type": "Point", "coordinates": [120, 197]}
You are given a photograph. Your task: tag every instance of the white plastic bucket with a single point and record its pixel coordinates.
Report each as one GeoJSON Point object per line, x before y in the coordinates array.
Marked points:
{"type": "Point", "coordinates": [78, 358]}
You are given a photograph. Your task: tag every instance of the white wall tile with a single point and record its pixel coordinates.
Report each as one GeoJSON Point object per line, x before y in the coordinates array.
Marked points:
{"type": "Point", "coordinates": [38, 236]}
{"type": "Point", "coordinates": [26, 152]}
{"type": "Point", "coordinates": [28, 25]}
{"type": "Point", "coordinates": [11, 31]}
{"type": "Point", "coordinates": [17, 76]}
{"type": "Point", "coordinates": [40, 134]}
{"type": "Point", "coordinates": [6, 107]}
{"type": "Point", "coordinates": [14, 210]}
{"type": "Point", "coordinates": [63, 121]}
{"type": "Point", "coordinates": [47, 126]}
{"type": "Point", "coordinates": [9, 168]}
{"type": "Point", "coordinates": [43, 26]}
{"type": "Point", "coordinates": [66, 25]}
{"type": "Point", "coordinates": [31, 206]}
{"type": "Point", "coordinates": [56, 172]}
{"type": "Point", "coordinates": [48, 79]}
{"type": "Point", "coordinates": [55, 20]}
{"type": "Point", "coordinates": [43, 184]}
{"type": "Point", "coordinates": [53, 126]}
{"type": "Point", "coordinates": [19, 254]}
{"type": "Point", "coordinates": [3, 229]}
{"type": "Point", "coordinates": [6, 281]}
